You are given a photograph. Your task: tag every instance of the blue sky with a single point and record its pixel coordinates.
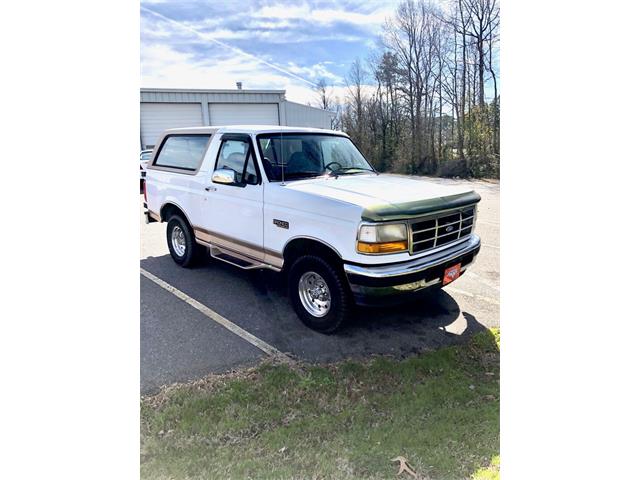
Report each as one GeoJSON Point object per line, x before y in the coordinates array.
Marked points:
{"type": "Point", "coordinates": [263, 43]}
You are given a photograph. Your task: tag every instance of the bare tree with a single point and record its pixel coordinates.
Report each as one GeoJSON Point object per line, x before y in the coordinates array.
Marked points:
{"type": "Point", "coordinates": [406, 36]}
{"type": "Point", "coordinates": [422, 101]}
{"type": "Point", "coordinates": [355, 82]}
{"type": "Point", "coordinates": [483, 19]}
{"type": "Point", "coordinates": [324, 95]}
{"type": "Point", "coordinates": [461, 28]}
{"type": "Point", "coordinates": [493, 39]}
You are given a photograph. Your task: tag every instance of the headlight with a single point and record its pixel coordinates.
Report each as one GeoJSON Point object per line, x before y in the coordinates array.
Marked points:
{"type": "Point", "coordinates": [384, 238]}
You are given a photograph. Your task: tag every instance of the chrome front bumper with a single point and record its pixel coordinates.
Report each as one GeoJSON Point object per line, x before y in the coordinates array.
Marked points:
{"type": "Point", "coordinates": [372, 285]}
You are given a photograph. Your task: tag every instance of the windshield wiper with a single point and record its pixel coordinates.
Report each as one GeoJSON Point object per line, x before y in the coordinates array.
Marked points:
{"type": "Point", "coordinates": [348, 171]}
{"type": "Point", "coordinates": [302, 175]}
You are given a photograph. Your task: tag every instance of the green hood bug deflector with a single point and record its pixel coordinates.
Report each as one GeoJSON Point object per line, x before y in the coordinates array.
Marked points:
{"type": "Point", "coordinates": [400, 211]}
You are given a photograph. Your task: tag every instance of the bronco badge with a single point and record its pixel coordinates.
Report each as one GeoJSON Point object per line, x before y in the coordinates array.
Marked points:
{"type": "Point", "coordinates": [281, 223]}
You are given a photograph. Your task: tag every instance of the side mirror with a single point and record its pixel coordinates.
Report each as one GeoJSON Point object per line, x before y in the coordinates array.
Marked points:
{"type": "Point", "coordinates": [224, 176]}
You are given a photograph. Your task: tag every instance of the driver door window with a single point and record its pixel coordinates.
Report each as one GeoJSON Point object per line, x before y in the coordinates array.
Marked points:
{"type": "Point", "coordinates": [237, 155]}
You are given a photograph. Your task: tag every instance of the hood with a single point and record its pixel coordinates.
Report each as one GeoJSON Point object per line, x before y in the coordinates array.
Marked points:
{"type": "Point", "coordinates": [388, 197]}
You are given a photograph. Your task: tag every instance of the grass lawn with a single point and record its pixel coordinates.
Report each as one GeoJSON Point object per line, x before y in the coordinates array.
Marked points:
{"type": "Point", "coordinates": [439, 410]}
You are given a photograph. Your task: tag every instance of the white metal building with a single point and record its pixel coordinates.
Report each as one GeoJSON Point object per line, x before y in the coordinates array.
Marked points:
{"type": "Point", "coordinates": [162, 108]}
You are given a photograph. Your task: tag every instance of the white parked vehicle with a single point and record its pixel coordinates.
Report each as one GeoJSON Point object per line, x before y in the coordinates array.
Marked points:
{"type": "Point", "coordinates": [145, 156]}
{"type": "Point", "coordinates": [306, 202]}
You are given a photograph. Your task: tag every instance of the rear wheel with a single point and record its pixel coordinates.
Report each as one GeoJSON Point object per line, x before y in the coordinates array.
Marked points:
{"type": "Point", "coordinates": [319, 293]}
{"type": "Point", "coordinates": [182, 243]}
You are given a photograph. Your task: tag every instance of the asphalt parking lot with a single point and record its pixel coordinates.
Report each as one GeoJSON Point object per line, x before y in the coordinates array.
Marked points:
{"type": "Point", "coordinates": [180, 342]}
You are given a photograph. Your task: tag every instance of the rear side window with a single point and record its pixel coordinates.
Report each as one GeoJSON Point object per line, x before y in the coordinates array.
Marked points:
{"type": "Point", "coordinates": [183, 152]}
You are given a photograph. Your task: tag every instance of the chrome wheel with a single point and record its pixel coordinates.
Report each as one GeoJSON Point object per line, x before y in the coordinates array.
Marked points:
{"type": "Point", "coordinates": [178, 241]}
{"type": "Point", "coordinates": [314, 294]}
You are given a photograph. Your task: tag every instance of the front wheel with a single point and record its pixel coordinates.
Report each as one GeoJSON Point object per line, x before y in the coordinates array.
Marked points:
{"type": "Point", "coordinates": [319, 294]}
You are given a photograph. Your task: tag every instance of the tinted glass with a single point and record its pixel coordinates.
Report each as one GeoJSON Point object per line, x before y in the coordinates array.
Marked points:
{"type": "Point", "coordinates": [310, 155]}
{"type": "Point", "coordinates": [182, 151]}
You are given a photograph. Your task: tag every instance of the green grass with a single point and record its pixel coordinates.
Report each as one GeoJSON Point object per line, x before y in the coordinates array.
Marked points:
{"type": "Point", "coordinates": [440, 410]}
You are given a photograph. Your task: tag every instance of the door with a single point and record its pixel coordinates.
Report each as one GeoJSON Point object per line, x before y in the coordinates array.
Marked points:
{"type": "Point", "coordinates": [157, 117]}
{"type": "Point", "coordinates": [244, 114]}
{"type": "Point", "coordinates": [232, 213]}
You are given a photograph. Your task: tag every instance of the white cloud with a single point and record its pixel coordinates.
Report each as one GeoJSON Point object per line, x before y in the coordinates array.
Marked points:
{"type": "Point", "coordinates": [325, 16]}
{"type": "Point", "coordinates": [316, 72]}
{"type": "Point", "coordinates": [208, 39]}
{"type": "Point", "coordinates": [253, 30]}
{"type": "Point", "coordinates": [166, 63]}
{"type": "Point", "coordinates": [164, 67]}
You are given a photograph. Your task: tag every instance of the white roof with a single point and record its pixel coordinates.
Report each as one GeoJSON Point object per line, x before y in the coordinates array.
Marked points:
{"type": "Point", "coordinates": [209, 90]}
{"type": "Point", "coordinates": [252, 129]}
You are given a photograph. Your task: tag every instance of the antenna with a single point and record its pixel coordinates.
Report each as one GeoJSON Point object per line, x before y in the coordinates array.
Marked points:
{"type": "Point", "coordinates": [281, 158]}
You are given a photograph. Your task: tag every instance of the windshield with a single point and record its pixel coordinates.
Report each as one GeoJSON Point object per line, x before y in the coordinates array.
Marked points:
{"type": "Point", "coordinates": [305, 155]}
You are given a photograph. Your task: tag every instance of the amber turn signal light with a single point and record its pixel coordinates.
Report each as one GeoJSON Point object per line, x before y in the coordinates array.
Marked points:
{"type": "Point", "coordinates": [386, 247]}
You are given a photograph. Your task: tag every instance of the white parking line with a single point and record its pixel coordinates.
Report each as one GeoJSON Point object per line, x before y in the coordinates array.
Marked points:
{"type": "Point", "coordinates": [491, 246]}
{"type": "Point", "coordinates": [492, 301]}
{"type": "Point", "coordinates": [485, 222]}
{"type": "Point", "coordinates": [483, 280]}
{"type": "Point", "coordinates": [219, 319]}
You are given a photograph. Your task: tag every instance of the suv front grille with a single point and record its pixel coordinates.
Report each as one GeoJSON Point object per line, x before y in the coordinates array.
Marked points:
{"type": "Point", "coordinates": [441, 229]}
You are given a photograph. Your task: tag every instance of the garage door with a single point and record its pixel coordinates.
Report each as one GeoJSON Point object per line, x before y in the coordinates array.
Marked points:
{"type": "Point", "coordinates": [157, 117]}
{"type": "Point", "coordinates": [243, 113]}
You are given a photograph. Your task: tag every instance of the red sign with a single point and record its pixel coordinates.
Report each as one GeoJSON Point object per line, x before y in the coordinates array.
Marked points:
{"type": "Point", "coordinates": [451, 273]}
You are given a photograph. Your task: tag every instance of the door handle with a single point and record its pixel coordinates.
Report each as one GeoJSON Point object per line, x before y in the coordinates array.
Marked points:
{"type": "Point", "coordinates": [208, 189]}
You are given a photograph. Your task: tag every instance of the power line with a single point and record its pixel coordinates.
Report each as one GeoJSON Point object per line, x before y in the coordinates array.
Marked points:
{"type": "Point", "coordinates": [211, 38]}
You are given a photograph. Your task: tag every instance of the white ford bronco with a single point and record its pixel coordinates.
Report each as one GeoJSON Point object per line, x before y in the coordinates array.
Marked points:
{"type": "Point", "coordinates": [306, 202]}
